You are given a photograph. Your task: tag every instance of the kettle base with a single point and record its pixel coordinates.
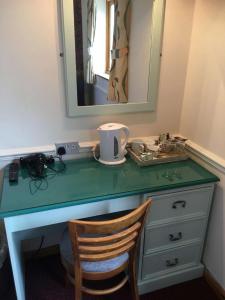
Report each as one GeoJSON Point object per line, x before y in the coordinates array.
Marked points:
{"type": "Point", "coordinates": [118, 162]}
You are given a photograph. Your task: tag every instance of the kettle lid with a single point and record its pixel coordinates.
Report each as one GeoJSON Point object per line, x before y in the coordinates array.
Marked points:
{"type": "Point", "coordinates": [110, 126]}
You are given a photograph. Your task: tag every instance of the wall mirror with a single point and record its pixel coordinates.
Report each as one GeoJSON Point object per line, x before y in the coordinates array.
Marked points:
{"type": "Point", "coordinates": [111, 55]}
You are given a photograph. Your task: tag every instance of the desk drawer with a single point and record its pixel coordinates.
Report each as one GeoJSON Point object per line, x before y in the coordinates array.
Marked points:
{"type": "Point", "coordinates": [180, 204]}
{"type": "Point", "coordinates": [172, 260]}
{"type": "Point", "coordinates": [171, 235]}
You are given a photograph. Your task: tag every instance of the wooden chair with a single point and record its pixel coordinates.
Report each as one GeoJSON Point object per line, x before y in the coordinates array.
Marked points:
{"type": "Point", "coordinates": [103, 249]}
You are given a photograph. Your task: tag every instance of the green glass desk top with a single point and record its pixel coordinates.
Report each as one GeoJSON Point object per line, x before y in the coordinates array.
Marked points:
{"type": "Point", "coordinates": [86, 180]}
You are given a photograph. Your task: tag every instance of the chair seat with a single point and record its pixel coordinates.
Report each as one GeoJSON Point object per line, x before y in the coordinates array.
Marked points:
{"type": "Point", "coordinates": [98, 266]}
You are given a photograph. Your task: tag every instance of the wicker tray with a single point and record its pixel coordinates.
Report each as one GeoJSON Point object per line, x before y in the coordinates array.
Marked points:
{"type": "Point", "coordinates": [162, 158]}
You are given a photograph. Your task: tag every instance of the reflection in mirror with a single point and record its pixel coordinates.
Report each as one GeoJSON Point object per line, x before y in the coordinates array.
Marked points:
{"type": "Point", "coordinates": [113, 41]}
{"type": "Point", "coordinates": [111, 55]}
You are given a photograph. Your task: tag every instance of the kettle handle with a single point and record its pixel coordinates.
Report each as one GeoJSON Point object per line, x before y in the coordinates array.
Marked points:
{"type": "Point", "coordinates": [127, 133]}
{"type": "Point", "coordinates": [94, 150]}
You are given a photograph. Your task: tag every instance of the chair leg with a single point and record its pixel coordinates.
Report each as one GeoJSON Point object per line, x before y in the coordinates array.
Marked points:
{"type": "Point", "coordinates": [66, 280]}
{"type": "Point", "coordinates": [133, 279]}
{"type": "Point", "coordinates": [78, 285]}
{"type": "Point", "coordinates": [78, 295]}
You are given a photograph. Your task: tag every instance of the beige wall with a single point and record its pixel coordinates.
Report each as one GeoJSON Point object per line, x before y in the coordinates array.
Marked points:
{"type": "Point", "coordinates": [32, 104]}
{"type": "Point", "coordinates": [203, 110]}
{"type": "Point", "coordinates": [203, 113]}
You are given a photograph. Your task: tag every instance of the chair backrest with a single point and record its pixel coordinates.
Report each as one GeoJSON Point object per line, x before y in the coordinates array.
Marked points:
{"type": "Point", "coordinates": [102, 240]}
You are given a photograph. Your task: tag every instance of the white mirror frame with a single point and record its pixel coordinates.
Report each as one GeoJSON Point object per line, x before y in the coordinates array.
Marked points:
{"type": "Point", "coordinates": [67, 18]}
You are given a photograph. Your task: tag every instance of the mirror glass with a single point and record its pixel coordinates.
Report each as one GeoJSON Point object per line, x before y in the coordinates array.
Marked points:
{"type": "Point", "coordinates": [112, 41]}
{"type": "Point", "coordinates": [111, 54]}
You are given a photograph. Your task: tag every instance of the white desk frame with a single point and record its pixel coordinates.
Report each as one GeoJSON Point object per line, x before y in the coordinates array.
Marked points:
{"type": "Point", "coordinates": [21, 223]}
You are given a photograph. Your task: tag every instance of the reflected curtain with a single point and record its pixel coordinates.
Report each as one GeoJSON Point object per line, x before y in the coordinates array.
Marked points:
{"type": "Point", "coordinates": [91, 26]}
{"type": "Point", "coordinates": [118, 76]}
{"type": "Point", "coordinates": [79, 51]}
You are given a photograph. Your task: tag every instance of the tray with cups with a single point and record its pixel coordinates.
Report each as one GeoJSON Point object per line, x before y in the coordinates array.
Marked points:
{"type": "Point", "coordinates": [162, 149]}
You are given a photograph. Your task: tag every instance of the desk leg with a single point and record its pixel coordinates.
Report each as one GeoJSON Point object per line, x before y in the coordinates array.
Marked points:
{"type": "Point", "coordinates": [16, 261]}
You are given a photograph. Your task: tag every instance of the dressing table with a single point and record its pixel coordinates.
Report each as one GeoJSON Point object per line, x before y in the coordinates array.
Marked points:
{"type": "Point", "coordinates": [174, 235]}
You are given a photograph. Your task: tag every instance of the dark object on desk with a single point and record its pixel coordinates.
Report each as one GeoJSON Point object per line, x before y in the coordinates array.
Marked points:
{"type": "Point", "coordinates": [36, 164]}
{"type": "Point", "coordinates": [13, 172]}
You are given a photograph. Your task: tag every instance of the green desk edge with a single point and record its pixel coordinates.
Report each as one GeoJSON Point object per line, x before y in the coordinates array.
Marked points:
{"type": "Point", "coordinates": [86, 180]}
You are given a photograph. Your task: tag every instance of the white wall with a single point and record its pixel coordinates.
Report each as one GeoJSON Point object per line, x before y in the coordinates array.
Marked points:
{"type": "Point", "coordinates": [32, 104]}
{"type": "Point", "coordinates": [139, 50]}
{"type": "Point", "coordinates": [204, 99]}
{"type": "Point", "coordinates": [203, 112]}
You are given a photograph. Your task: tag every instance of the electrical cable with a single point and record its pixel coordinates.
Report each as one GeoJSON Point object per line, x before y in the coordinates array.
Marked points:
{"type": "Point", "coordinates": [39, 248]}
{"type": "Point", "coordinates": [38, 184]}
{"type": "Point", "coordinates": [63, 165]}
{"type": "Point", "coordinates": [41, 183]}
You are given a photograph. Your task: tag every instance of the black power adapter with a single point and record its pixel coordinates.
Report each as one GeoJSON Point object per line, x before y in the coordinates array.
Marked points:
{"type": "Point", "coordinates": [36, 164]}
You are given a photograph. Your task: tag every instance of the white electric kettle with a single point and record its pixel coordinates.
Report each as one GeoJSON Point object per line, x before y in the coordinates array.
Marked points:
{"type": "Point", "coordinates": [112, 148]}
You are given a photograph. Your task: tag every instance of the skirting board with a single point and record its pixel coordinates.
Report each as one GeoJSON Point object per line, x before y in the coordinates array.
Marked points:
{"type": "Point", "coordinates": [193, 148]}
{"type": "Point", "coordinates": [149, 285]}
{"type": "Point", "coordinates": [218, 289]}
{"type": "Point", "coordinates": [206, 155]}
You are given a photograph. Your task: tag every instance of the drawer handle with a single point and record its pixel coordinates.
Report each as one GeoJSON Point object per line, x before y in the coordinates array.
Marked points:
{"type": "Point", "coordinates": [170, 263]}
{"type": "Point", "coordinates": [174, 238]}
{"type": "Point", "coordinates": [179, 203]}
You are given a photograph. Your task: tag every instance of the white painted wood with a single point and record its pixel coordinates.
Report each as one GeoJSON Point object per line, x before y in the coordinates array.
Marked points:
{"type": "Point", "coordinates": [70, 66]}
{"type": "Point", "coordinates": [60, 215]}
{"type": "Point", "coordinates": [14, 245]}
{"type": "Point", "coordinates": [187, 188]}
{"type": "Point", "coordinates": [207, 156]}
{"type": "Point", "coordinates": [154, 273]}
{"type": "Point", "coordinates": [13, 153]}
{"type": "Point", "coordinates": [16, 224]}
{"type": "Point", "coordinates": [156, 264]}
{"type": "Point", "coordinates": [196, 201]}
{"type": "Point", "coordinates": [9, 154]}
{"type": "Point", "coordinates": [69, 59]}
{"type": "Point", "coordinates": [158, 238]}
{"type": "Point", "coordinates": [159, 282]}
{"type": "Point", "coordinates": [17, 227]}
{"type": "Point", "coordinates": [200, 152]}
{"type": "Point", "coordinates": [156, 52]}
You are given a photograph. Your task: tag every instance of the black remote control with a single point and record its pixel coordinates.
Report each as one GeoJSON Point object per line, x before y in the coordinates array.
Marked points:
{"type": "Point", "coordinates": [13, 172]}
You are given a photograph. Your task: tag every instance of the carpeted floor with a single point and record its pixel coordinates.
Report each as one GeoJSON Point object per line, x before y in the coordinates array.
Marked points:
{"type": "Point", "coordinates": [45, 281]}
